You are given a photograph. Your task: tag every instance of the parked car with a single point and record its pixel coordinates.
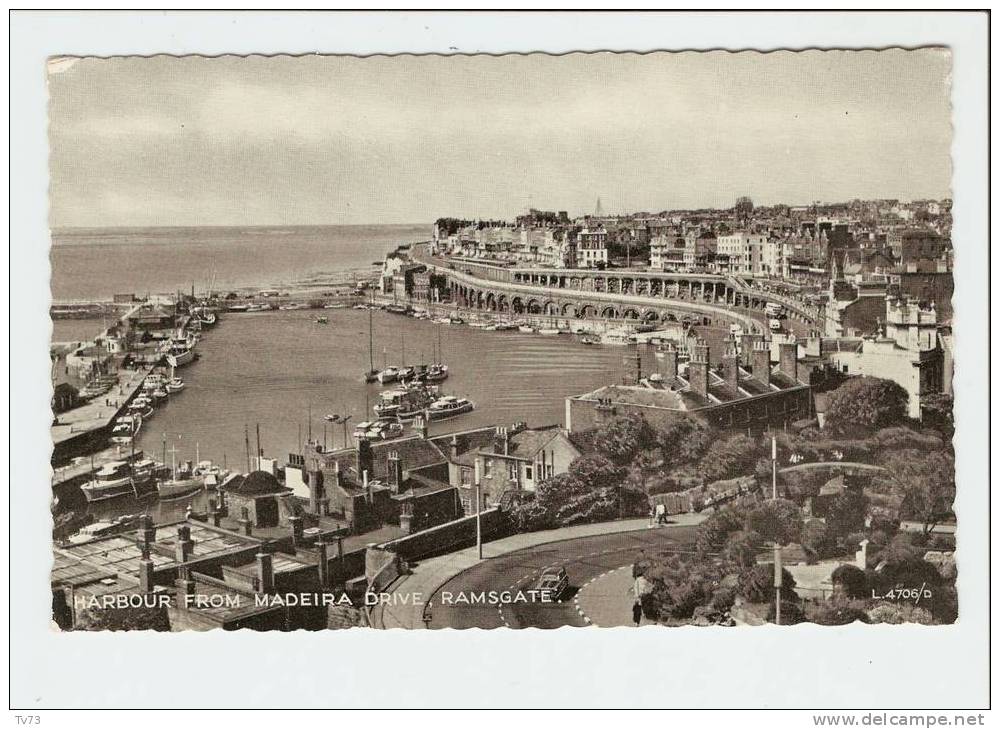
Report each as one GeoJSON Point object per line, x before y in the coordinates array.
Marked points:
{"type": "Point", "coordinates": [553, 583]}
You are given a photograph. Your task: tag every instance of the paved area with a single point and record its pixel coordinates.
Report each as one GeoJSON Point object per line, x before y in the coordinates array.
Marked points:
{"type": "Point", "coordinates": [512, 564]}
{"type": "Point", "coordinates": [606, 600]}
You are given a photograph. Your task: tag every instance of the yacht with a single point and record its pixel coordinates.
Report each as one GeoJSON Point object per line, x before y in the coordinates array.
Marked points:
{"type": "Point", "coordinates": [526, 329]}
{"type": "Point", "coordinates": [449, 406]}
{"type": "Point", "coordinates": [437, 373]}
{"type": "Point", "coordinates": [385, 430]}
{"type": "Point", "coordinates": [389, 403]}
{"type": "Point", "coordinates": [549, 331]}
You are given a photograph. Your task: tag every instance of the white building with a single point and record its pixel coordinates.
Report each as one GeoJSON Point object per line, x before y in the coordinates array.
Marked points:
{"type": "Point", "coordinates": [592, 247]}
{"type": "Point", "coordinates": [744, 250]}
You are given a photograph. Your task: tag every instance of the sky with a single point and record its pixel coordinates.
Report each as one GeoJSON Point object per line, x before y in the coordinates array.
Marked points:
{"type": "Point", "coordinates": [310, 140]}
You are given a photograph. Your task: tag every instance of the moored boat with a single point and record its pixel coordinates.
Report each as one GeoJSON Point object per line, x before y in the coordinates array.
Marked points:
{"type": "Point", "coordinates": [449, 406]}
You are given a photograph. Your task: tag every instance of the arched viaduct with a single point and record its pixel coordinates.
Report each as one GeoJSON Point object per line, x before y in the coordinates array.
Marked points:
{"type": "Point", "coordinates": [638, 296]}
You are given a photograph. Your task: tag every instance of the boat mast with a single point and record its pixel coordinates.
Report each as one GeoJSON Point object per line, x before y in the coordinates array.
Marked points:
{"type": "Point", "coordinates": [371, 340]}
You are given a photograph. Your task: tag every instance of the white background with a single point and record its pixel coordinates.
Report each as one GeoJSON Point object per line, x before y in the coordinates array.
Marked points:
{"type": "Point", "coordinates": [807, 667]}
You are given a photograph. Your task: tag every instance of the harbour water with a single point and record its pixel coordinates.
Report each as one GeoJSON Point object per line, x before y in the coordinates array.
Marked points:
{"type": "Point", "coordinates": [275, 368]}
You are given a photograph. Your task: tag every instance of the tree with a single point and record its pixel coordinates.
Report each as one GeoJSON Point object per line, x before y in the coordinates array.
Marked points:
{"type": "Point", "coordinates": [757, 584]}
{"type": "Point", "coordinates": [682, 440]}
{"type": "Point", "coordinates": [592, 490]}
{"type": "Point", "coordinates": [729, 458]}
{"type": "Point", "coordinates": [742, 548]}
{"type": "Point", "coordinates": [926, 482]}
{"type": "Point", "coordinates": [937, 411]}
{"type": "Point", "coordinates": [814, 538]}
{"type": "Point", "coordinates": [622, 439]}
{"type": "Point", "coordinates": [847, 513]}
{"type": "Point", "coordinates": [866, 404]}
{"type": "Point", "coordinates": [714, 532]}
{"type": "Point", "coordinates": [776, 520]}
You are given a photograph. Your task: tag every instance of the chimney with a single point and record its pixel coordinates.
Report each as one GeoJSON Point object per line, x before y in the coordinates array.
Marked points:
{"type": "Point", "coordinates": [213, 513]}
{"type": "Point", "coordinates": [788, 361]}
{"type": "Point", "coordinates": [501, 441]}
{"type": "Point", "coordinates": [184, 545]}
{"type": "Point", "coordinates": [297, 529]}
{"type": "Point", "coordinates": [731, 367]}
{"type": "Point", "coordinates": [146, 534]}
{"type": "Point", "coordinates": [453, 447]}
{"type": "Point", "coordinates": [364, 459]}
{"type": "Point", "coordinates": [323, 565]}
{"type": "Point", "coordinates": [761, 363]}
{"type": "Point", "coordinates": [747, 344]}
{"type": "Point", "coordinates": [318, 502]}
{"type": "Point", "coordinates": [395, 468]}
{"type": "Point", "coordinates": [698, 370]}
{"type": "Point", "coordinates": [668, 368]}
{"type": "Point", "coordinates": [146, 573]}
{"type": "Point", "coordinates": [185, 588]}
{"type": "Point", "coordinates": [245, 521]}
{"type": "Point", "coordinates": [368, 486]}
{"type": "Point", "coordinates": [265, 573]}
{"type": "Point", "coordinates": [420, 427]}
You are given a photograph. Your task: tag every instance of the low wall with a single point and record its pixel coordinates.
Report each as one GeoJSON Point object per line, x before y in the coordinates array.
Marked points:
{"type": "Point", "coordinates": [451, 536]}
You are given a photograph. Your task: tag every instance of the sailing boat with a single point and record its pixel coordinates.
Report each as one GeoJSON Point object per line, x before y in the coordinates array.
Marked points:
{"type": "Point", "coordinates": [181, 482]}
{"type": "Point", "coordinates": [438, 371]}
{"type": "Point", "coordinates": [372, 374]}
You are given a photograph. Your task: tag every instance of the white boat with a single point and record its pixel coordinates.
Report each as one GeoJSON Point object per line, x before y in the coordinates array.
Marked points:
{"type": "Point", "coordinates": [389, 374]}
{"type": "Point", "coordinates": [206, 318]}
{"type": "Point", "coordinates": [175, 385]}
{"type": "Point", "coordinates": [99, 529]}
{"type": "Point", "coordinates": [526, 329]}
{"type": "Point", "coordinates": [437, 373]}
{"type": "Point", "coordinates": [389, 403]}
{"type": "Point", "coordinates": [385, 430]}
{"type": "Point", "coordinates": [179, 352]}
{"type": "Point", "coordinates": [175, 488]}
{"type": "Point", "coordinates": [618, 337]}
{"type": "Point", "coordinates": [361, 429]}
{"type": "Point", "coordinates": [549, 331]}
{"type": "Point", "coordinates": [449, 406]}
{"type": "Point", "coordinates": [160, 394]}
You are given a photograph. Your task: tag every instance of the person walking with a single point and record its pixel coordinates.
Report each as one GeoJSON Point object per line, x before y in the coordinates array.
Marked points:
{"type": "Point", "coordinates": [637, 612]}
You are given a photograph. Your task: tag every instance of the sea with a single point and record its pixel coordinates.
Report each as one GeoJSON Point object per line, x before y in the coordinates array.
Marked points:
{"type": "Point", "coordinates": [283, 373]}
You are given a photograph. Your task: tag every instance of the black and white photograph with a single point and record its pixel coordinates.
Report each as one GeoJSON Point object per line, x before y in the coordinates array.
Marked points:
{"type": "Point", "coordinates": [423, 342]}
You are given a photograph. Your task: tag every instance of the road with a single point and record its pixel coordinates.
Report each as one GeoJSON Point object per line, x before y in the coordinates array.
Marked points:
{"type": "Point", "coordinates": [584, 559]}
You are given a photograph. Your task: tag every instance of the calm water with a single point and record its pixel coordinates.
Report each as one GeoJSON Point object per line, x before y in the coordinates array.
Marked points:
{"type": "Point", "coordinates": [273, 368]}
{"type": "Point", "coordinates": [90, 263]}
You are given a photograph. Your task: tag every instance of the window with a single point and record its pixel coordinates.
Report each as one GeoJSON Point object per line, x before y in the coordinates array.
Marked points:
{"type": "Point", "coordinates": [512, 471]}
{"type": "Point", "coordinates": [466, 476]}
{"type": "Point", "coordinates": [488, 468]}
{"type": "Point", "coordinates": [529, 471]}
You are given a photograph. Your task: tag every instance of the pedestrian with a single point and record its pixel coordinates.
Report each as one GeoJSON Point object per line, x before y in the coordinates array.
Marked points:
{"type": "Point", "coordinates": [637, 612]}
{"type": "Point", "coordinates": [639, 566]}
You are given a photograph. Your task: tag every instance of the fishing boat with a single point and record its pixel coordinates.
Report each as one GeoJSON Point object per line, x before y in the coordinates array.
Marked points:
{"type": "Point", "coordinates": [176, 384]}
{"type": "Point", "coordinates": [182, 481]}
{"type": "Point", "coordinates": [389, 374]}
{"type": "Point", "coordinates": [180, 351]}
{"type": "Point", "coordinates": [160, 394]}
{"type": "Point", "coordinates": [238, 308]}
{"type": "Point", "coordinates": [449, 406]}
{"type": "Point", "coordinates": [405, 403]}
{"type": "Point", "coordinates": [405, 373]}
{"type": "Point", "coordinates": [206, 318]}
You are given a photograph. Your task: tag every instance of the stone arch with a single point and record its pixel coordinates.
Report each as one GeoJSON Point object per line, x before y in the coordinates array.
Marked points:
{"type": "Point", "coordinates": [569, 309]}
{"type": "Point", "coordinates": [649, 317]}
{"type": "Point", "coordinates": [491, 301]}
{"type": "Point", "coordinates": [534, 306]}
{"type": "Point", "coordinates": [550, 307]}
{"type": "Point", "coordinates": [609, 312]}
{"type": "Point", "coordinates": [630, 313]}
{"type": "Point", "coordinates": [588, 311]}
{"type": "Point", "coordinates": [517, 305]}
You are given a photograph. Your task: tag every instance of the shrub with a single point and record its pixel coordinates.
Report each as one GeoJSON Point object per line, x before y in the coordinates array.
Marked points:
{"type": "Point", "coordinates": [850, 582]}
{"type": "Point", "coordinates": [866, 404]}
{"type": "Point", "coordinates": [757, 584]}
{"type": "Point", "coordinates": [776, 520]}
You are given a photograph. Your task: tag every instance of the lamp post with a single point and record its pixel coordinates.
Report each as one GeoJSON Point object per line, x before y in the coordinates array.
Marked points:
{"type": "Point", "coordinates": [479, 509]}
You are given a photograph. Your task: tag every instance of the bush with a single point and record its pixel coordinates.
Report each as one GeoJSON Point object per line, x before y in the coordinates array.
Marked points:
{"type": "Point", "coordinates": [814, 539]}
{"type": "Point", "coordinates": [837, 613]}
{"type": "Point", "coordinates": [741, 549]}
{"type": "Point", "coordinates": [899, 613]}
{"type": "Point", "coordinates": [850, 582]}
{"type": "Point", "coordinates": [714, 532]}
{"type": "Point", "coordinates": [757, 584]}
{"type": "Point", "coordinates": [776, 520]}
{"type": "Point", "coordinates": [730, 457]}
{"type": "Point", "coordinates": [623, 438]}
{"type": "Point", "coordinates": [866, 404]}
{"type": "Point", "coordinates": [791, 613]}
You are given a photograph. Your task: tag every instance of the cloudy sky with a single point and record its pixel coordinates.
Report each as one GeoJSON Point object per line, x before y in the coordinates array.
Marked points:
{"type": "Point", "coordinates": [340, 140]}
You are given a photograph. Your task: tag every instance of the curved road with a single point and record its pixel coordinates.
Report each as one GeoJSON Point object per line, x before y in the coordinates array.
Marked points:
{"type": "Point", "coordinates": [583, 558]}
